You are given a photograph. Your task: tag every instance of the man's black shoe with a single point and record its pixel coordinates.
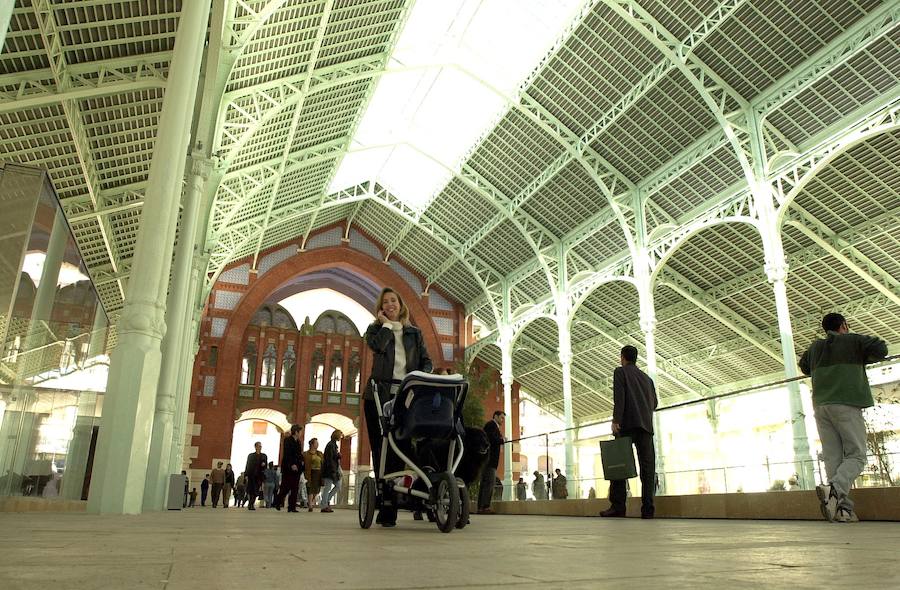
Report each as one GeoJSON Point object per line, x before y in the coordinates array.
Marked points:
{"type": "Point", "coordinates": [612, 513]}
{"type": "Point", "coordinates": [251, 508]}
{"type": "Point", "coordinates": [647, 515]}
{"type": "Point", "coordinates": [289, 510]}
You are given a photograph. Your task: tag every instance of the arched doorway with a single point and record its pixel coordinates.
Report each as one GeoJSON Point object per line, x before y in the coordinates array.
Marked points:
{"type": "Point", "coordinates": [260, 424]}
{"type": "Point", "coordinates": [321, 426]}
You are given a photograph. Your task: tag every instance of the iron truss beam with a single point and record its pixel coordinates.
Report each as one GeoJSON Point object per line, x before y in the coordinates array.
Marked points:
{"type": "Point", "coordinates": [716, 310]}
{"type": "Point", "coordinates": [44, 13]}
{"type": "Point", "coordinates": [844, 252]}
{"type": "Point", "coordinates": [609, 333]}
{"type": "Point", "coordinates": [598, 387]}
{"type": "Point", "coordinates": [37, 88]}
{"type": "Point", "coordinates": [230, 242]}
{"type": "Point", "coordinates": [727, 106]}
{"type": "Point", "coordinates": [871, 304]}
{"type": "Point", "coordinates": [838, 52]}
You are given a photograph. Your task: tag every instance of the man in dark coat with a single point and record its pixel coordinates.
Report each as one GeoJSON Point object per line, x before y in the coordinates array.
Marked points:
{"type": "Point", "coordinates": [634, 401]}
{"type": "Point", "coordinates": [204, 490]}
{"type": "Point", "coordinates": [489, 473]}
{"type": "Point", "coordinates": [291, 468]}
{"type": "Point", "coordinates": [255, 472]}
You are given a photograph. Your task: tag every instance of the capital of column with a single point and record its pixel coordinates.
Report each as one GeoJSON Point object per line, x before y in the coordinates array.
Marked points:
{"type": "Point", "coordinates": [776, 271]}
{"type": "Point", "coordinates": [165, 402]}
{"type": "Point", "coordinates": [201, 166]}
{"type": "Point", "coordinates": [143, 316]}
{"type": "Point", "coordinates": [648, 325]}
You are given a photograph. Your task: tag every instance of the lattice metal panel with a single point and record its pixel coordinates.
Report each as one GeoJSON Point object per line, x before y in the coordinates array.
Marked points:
{"type": "Point", "coordinates": [96, 31]}
{"type": "Point", "coordinates": [765, 40]}
{"type": "Point", "coordinates": [679, 17]}
{"type": "Point", "coordinates": [379, 222]}
{"type": "Point", "coordinates": [422, 252]}
{"type": "Point", "coordinates": [603, 245]}
{"type": "Point", "coordinates": [593, 69]}
{"type": "Point", "coordinates": [460, 210]}
{"type": "Point", "coordinates": [615, 302]}
{"type": "Point", "coordinates": [325, 239]}
{"type": "Point", "coordinates": [735, 367]}
{"type": "Point", "coordinates": [566, 200]}
{"type": "Point", "coordinates": [664, 122]}
{"type": "Point", "coordinates": [867, 75]}
{"type": "Point", "coordinates": [504, 248]}
{"type": "Point", "coordinates": [514, 153]}
{"type": "Point", "coordinates": [695, 186]}
{"type": "Point", "coordinates": [438, 301]}
{"type": "Point", "coordinates": [717, 254]}
{"type": "Point", "coordinates": [411, 279]}
{"type": "Point", "coordinates": [330, 116]}
{"type": "Point", "coordinates": [306, 184]}
{"type": "Point", "coordinates": [821, 283]}
{"type": "Point", "coordinates": [279, 233]}
{"type": "Point", "coordinates": [691, 331]}
{"type": "Point", "coordinates": [534, 287]}
{"type": "Point", "coordinates": [859, 185]}
{"type": "Point", "coordinates": [359, 29]}
{"type": "Point", "coordinates": [284, 44]}
{"type": "Point", "coordinates": [23, 49]}
{"type": "Point", "coordinates": [226, 299]}
{"type": "Point", "coordinates": [360, 242]}
{"type": "Point", "coordinates": [459, 284]}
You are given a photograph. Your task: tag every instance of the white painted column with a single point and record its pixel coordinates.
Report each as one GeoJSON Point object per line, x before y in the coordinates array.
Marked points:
{"type": "Point", "coordinates": [647, 320]}
{"type": "Point", "coordinates": [122, 451]}
{"type": "Point", "coordinates": [565, 362]}
{"type": "Point", "coordinates": [776, 268]}
{"type": "Point", "coordinates": [506, 377]}
{"type": "Point", "coordinates": [6, 9]}
{"type": "Point", "coordinates": [175, 352]}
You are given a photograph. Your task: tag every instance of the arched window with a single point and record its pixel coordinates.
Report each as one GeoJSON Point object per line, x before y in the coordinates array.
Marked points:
{"type": "Point", "coordinates": [353, 372]}
{"type": "Point", "coordinates": [248, 364]}
{"type": "Point", "coordinates": [337, 371]}
{"type": "Point", "coordinates": [288, 364]}
{"type": "Point", "coordinates": [270, 358]}
{"type": "Point", "coordinates": [317, 374]}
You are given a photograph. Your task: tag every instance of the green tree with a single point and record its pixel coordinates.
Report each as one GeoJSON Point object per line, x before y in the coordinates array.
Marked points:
{"type": "Point", "coordinates": [480, 382]}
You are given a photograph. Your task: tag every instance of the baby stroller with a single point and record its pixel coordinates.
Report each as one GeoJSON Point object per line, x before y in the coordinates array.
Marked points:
{"type": "Point", "coordinates": [425, 416]}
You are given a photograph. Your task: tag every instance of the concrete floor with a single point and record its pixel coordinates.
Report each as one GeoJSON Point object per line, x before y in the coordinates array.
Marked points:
{"type": "Point", "coordinates": [211, 549]}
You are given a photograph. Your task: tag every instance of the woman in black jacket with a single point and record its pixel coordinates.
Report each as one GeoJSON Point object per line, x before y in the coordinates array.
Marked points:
{"type": "Point", "coordinates": [390, 364]}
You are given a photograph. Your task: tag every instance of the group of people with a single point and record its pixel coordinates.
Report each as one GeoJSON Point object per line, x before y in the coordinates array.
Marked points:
{"type": "Point", "coordinates": [262, 481]}
{"type": "Point", "coordinates": [840, 392]}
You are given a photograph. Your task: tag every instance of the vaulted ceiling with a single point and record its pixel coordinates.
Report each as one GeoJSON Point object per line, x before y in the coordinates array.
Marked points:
{"type": "Point", "coordinates": [614, 128]}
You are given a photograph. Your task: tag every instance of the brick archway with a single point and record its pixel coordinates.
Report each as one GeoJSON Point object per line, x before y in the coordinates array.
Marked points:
{"type": "Point", "coordinates": [228, 371]}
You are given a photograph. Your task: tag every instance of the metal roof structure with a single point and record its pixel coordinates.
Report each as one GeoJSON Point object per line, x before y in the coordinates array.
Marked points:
{"type": "Point", "coordinates": [639, 153]}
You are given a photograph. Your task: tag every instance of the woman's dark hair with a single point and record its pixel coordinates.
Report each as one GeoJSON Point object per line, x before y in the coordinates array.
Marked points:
{"type": "Point", "coordinates": [832, 322]}
{"type": "Point", "coordinates": [296, 428]}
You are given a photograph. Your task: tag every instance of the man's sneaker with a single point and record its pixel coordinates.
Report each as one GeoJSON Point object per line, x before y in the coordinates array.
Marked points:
{"type": "Point", "coordinates": [845, 514]}
{"type": "Point", "coordinates": [829, 499]}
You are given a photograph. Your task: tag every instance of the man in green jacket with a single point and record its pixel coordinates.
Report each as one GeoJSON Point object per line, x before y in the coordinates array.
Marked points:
{"type": "Point", "coordinates": [840, 391]}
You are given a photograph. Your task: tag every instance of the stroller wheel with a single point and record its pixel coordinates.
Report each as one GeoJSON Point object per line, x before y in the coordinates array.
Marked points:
{"type": "Point", "coordinates": [366, 502]}
{"type": "Point", "coordinates": [446, 501]}
{"type": "Point", "coordinates": [463, 519]}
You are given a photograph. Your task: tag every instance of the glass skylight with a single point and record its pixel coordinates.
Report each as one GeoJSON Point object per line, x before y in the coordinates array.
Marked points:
{"type": "Point", "coordinates": [452, 66]}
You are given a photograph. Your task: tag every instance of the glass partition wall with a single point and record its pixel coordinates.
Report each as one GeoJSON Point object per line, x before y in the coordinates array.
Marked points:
{"type": "Point", "coordinates": [732, 444]}
{"type": "Point", "coordinates": [53, 364]}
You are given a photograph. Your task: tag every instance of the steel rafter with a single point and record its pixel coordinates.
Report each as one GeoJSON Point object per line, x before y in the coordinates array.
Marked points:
{"type": "Point", "coordinates": [295, 121]}
{"type": "Point", "coordinates": [44, 12]}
